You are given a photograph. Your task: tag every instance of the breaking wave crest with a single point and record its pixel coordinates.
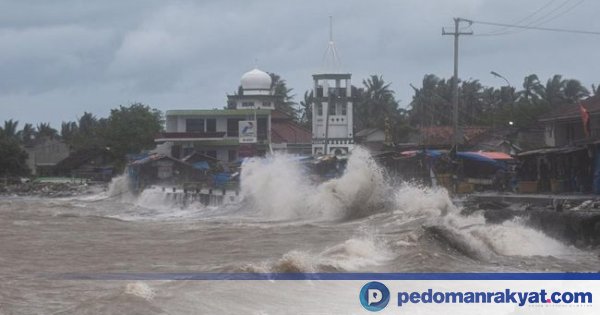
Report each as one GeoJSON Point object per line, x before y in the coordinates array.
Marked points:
{"type": "Point", "coordinates": [352, 255]}
{"type": "Point", "coordinates": [471, 235]}
{"type": "Point", "coordinates": [282, 190]}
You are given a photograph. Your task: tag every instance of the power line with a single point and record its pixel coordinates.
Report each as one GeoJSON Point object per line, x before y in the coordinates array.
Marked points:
{"type": "Point", "coordinates": [503, 30]}
{"type": "Point", "coordinates": [549, 29]}
{"type": "Point", "coordinates": [547, 18]}
{"type": "Point", "coordinates": [539, 20]}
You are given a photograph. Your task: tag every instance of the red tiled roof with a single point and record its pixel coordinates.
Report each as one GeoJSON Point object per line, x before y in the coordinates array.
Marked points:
{"type": "Point", "coordinates": [442, 135]}
{"type": "Point", "coordinates": [566, 111]}
{"type": "Point", "coordinates": [287, 131]}
{"type": "Point", "coordinates": [278, 115]}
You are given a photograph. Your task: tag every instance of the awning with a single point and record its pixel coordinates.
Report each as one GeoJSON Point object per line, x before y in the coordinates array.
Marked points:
{"type": "Point", "coordinates": [562, 150]}
{"type": "Point", "coordinates": [495, 155]}
{"type": "Point", "coordinates": [475, 156]}
{"type": "Point", "coordinates": [429, 153]}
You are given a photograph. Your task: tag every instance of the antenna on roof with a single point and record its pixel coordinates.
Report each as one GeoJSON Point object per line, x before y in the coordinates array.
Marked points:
{"type": "Point", "coordinates": [330, 28]}
{"type": "Point", "coordinates": [331, 62]}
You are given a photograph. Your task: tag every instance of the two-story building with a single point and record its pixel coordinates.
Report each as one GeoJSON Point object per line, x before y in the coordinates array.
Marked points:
{"type": "Point", "coordinates": [216, 132]}
{"type": "Point", "coordinates": [564, 125]}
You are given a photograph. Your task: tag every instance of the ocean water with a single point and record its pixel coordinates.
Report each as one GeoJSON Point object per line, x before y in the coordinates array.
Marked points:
{"type": "Point", "coordinates": [285, 223]}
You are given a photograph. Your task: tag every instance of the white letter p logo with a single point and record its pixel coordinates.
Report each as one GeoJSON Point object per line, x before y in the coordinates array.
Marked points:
{"type": "Point", "coordinates": [374, 296]}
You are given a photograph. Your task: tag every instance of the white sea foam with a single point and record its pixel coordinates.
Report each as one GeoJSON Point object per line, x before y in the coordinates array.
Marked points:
{"type": "Point", "coordinates": [281, 190]}
{"type": "Point", "coordinates": [511, 238]}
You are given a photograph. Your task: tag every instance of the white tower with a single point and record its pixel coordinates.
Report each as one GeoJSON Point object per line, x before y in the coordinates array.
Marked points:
{"type": "Point", "coordinates": [332, 123]}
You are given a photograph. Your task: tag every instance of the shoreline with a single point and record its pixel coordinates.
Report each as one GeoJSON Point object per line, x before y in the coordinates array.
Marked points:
{"type": "Point", "coordinates": [50, 189]}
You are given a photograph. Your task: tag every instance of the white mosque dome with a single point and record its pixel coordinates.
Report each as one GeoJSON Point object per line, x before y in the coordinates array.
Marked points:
{"type": "Point", "coordinates": [256, 79]}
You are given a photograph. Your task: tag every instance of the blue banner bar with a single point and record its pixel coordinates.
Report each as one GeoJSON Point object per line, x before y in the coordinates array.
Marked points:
{"type": "Point", "coordinates": [323, 276]}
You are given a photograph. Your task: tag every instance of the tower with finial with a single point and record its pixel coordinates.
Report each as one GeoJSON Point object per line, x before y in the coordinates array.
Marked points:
{"type": "Point", "coordinates": [332, 123]}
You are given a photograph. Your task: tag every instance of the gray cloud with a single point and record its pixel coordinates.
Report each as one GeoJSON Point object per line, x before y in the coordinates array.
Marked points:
{"type": "Point", "coordinates": [61, 58]}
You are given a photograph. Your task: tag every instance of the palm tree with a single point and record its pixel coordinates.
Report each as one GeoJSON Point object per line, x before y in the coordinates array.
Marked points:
{"type": "Point", "coordinates": [27, 134]}
{"type": "Point", "coordinates": [10, 128]}
{"type": "Point", "coordinates": [68, 130]}
{"type": "Point", "coordinates": [574, 91]}
{"type": "Point", "coordinates": [286, 99]}
{"type": "Point", "coordinates": [471, 102]}
{"type": "Point", "coordinates": [306, 109]}
{"type": "Point", "coordinates": [379, 101]}
{"type": "Point", "coordinates": [554, 93]}
{"type": "Point", "coordinates": [431, 103]}
{"type": "Point", "coordinates": [45, 131]}
{"type": "Point", "coordinates": [87, 124]}
{"type": "Point", "coordinates": [532, 90]}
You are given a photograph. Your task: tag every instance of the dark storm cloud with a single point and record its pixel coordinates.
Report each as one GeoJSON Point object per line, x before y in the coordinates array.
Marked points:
{"type": "Point", "coordinates": [60, 58]}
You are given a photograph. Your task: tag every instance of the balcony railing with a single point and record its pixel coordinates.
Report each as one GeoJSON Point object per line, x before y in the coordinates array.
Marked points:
{"type": "Point", "coordinates": [191, 135]}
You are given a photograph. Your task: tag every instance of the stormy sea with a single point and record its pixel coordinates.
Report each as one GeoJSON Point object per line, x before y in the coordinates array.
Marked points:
{"type": "Point", "coordinates": [359, 222]}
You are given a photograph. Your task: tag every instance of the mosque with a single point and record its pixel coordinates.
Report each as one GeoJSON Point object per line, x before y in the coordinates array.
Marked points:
{"type": "Point", "coordinates": [251, 125]}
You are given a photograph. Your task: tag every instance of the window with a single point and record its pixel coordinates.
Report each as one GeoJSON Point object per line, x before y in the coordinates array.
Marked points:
{"type": "Point", "coordinates": [331, 107]}
{"type": "Point", "coordinates": [194, 125]}
{"type": "Point", "coordinates": [248, 104]}
{"type": "Point", "coordinates": [232, 155]}
{"type": "Point", "coordinates": [320, 109]}
{"type": "Point", "coordinates": [262, 129]}
{"type": "Point", "coordinates": [233, 127]}
{"type": "Point", "coordinates": [212, 154]}
{"type": "Point", "coordinates": [266, 104]}
{"type": "Point", "coordinates": [344, 109]}
{"type": "Point", "coordinates": [211, 125]}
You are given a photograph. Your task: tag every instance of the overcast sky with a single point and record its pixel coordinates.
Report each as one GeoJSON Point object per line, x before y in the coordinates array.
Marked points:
{"type": "Point", "coordinates": [61, 58]}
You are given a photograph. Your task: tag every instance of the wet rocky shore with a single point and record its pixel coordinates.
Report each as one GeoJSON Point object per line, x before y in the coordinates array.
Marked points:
{"type": "Point", "coordinates": [575, 221]}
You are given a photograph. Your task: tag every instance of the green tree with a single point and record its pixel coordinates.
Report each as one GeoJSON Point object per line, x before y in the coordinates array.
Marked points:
{"type": "Point", "coordinates": [131, 129]}
{"type": "Point", "coordinates": [88, 133]}
{"type": "Point", "coordinates": [27, 134]}
{"type": "Point", "coordinates": [10, 128]}
{"type": "Point", "coordinates": [306, 109]}
{"type": "Point", "coordinates": [432, 103]}
{"type": "Point", "coordinates": [285, 102]}
{"type": "Point", "coordinates": [375, 103]}
{"type": "Point", "coordinates": [45, 131]}
{"type": "Point", "coordinates": [68, 130]}
{"type": "Point", "coordinates": [574, 91]}
{"type": "Point", "coordinates": [12, 157]}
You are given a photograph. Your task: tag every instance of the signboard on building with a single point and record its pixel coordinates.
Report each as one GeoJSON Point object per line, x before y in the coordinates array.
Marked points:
{"type": "Point", "coordinates": [247, 129]}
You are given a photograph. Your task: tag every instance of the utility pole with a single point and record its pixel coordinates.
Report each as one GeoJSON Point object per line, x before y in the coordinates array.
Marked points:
{"type": "Point", "coordinates": [456, 34]}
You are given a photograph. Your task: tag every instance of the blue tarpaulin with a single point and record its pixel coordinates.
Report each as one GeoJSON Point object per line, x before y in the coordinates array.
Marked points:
{"type": "Point", "coordinates": [202, 165]}
{"type": "Point", "coordinates": [221, 179]}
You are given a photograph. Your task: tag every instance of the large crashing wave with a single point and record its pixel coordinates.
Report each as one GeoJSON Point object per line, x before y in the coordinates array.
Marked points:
{"type": "Point", "coordinates": [471, 235]}
{"type": "Point", "coordinates": [281, 190]}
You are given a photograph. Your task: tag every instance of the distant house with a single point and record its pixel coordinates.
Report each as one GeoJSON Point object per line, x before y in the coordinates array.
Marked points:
{"type": "Point", "coordinates": [94, 164]}
{"type": "Point", "coordinates": [497, 140]}
{"type": "Point", "coordinates": [44, 155]}
{"type": "Point", "coordinates": [564, 125]}
{"type": "Point", "coordinates": [442, 136]}
{"type": "Point", "coordinates": [161, 169]}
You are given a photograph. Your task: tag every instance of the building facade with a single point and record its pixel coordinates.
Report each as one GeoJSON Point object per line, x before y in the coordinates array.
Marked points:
{"type": "Point", "coordinates": [216, 133]}
{"type": "Point", "coordinates": [332, 129]}
{"type": "Point", "coordinates": [564, 125]}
